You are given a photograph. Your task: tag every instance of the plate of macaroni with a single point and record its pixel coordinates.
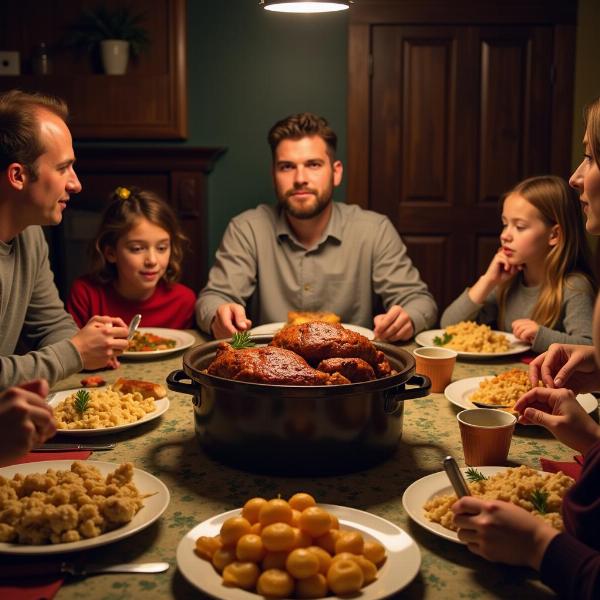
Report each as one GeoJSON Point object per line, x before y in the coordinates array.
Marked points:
{"type": "Point", "coordinates": [152, 342]}
{"type": "Point", "coordinates": [460, 392]}
{"type": "Point", "coordinates": [428, 500]}
{"type": "Point", "coordinates": [78, 505]}
{"type": "Point", "coordinates": [473, 341]}
{"type": "Point", "coordinates": [402, 562]}
{"type": "Point", "coordinates": [99, 411]}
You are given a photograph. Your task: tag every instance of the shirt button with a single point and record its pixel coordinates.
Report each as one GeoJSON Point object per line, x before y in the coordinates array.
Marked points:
{"type": "Point", "coordinates": [307, 287]}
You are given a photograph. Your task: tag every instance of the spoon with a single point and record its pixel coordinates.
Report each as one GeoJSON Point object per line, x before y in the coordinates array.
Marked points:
{"type": "Point", "coordinates": [133, 325]}
{"type": "Point", "coordinates": [483, 405]}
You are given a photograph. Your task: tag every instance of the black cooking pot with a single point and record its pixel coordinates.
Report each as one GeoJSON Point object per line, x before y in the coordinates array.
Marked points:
{"type": "Point", "coordinates": [298, 430]}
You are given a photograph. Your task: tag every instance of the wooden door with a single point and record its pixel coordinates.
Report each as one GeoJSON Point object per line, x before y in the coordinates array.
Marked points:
{"type": "Point", "coordinates": [459, 115]}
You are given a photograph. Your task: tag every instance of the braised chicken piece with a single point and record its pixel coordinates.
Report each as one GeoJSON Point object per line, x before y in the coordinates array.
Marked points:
{"type": "Point", "coordinates": [268, 364]}
{"type": "Point", "coordinates": [318, 341]}
{"type": "Point", "coordinates": [354, 369]}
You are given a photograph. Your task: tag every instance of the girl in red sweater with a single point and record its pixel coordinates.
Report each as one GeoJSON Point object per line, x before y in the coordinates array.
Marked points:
{"type": "Point", "coordinates": [136, 261]}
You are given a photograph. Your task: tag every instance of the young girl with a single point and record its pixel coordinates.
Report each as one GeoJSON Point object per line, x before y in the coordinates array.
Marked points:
{"type": "Point", "coordinates": [540, 284]}
{"type": "Point", "coordinates": [136, 259]}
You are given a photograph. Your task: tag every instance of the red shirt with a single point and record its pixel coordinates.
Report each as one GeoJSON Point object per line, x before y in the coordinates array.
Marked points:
{"type": "Point", "coordinates": [169, 306]}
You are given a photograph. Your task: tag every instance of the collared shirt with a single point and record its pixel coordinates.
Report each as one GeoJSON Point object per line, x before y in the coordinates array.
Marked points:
{"type": "Point", "coordinates": [357, 269]}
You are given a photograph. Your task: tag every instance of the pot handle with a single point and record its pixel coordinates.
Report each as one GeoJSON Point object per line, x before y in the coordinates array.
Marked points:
{"type": "Point", "coordinates": [399, 394]}
{"type": "Point", "coordinates": [174, 382]}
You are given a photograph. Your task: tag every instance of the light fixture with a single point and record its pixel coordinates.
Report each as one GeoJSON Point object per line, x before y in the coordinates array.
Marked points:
{"type": "Point", "coordinates": [305, 6]}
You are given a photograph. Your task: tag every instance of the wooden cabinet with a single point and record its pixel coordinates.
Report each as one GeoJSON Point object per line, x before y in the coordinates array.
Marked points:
{"type": "Point", "coordinates": [148, 102]}
{"type": "Point", "coordinates": [455, 102]}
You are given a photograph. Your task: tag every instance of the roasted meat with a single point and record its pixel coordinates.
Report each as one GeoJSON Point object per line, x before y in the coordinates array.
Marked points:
{"type": "Point", "coordinates": [268, 365]}
{"type": "Point", "coordinates": [354, 369]}
{"type": "Point", "coordinates": [318, 341]}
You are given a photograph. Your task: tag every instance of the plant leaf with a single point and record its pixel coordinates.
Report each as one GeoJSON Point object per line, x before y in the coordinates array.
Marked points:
{"type": "Point", "coordinates": [539, 499]}
{"type": "Point", "coordinates": [474, 475]}
{"type": "Point", "coordinates": [442, 341]}
{"type": "Point", "coordinates": [82, 400]}
{"type": "Point", "coordinates": [241, 340]}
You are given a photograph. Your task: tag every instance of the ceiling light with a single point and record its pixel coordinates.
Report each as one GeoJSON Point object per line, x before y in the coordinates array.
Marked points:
{"type": "Point", "coordinates": [304, 6]}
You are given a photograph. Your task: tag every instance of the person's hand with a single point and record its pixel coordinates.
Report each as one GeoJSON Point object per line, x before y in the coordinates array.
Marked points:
{"type": "Point", "coordinates": [229, 319]}
{"type": "Point", "coordinates": [25, 419]}
{"type": "Point", "coordinates": [101, 341]}
{"type": "Point", "coordinates": [394, 325]}
{"type": "Point", "coordinates": [499, 270]}
{"type": "Point", "coordinates": [566, 365]}
{"type": "Point", "coordinates": [501, 531]}
{"type": "Point", "coordinates": [525, 329]}
{"type": "Point", "coordinates": [560, 413]}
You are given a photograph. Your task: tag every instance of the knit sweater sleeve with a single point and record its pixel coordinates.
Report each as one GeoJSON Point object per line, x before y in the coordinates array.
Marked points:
{"type": "Point", "coordinates": [577, 311]}
{"type": "Point", "coordinates": [464, 309]}
{"type": "Point", "coordinates": [571, 568]}
{"type": "Point", "coordinates": [45, 327]}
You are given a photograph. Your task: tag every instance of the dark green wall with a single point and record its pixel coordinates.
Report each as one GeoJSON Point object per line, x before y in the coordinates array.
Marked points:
{"type": "Point", "coordinates": [247, 68]}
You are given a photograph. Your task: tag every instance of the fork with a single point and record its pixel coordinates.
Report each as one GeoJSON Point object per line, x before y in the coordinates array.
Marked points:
{"type": "Point", "coordinates": [483, 405]}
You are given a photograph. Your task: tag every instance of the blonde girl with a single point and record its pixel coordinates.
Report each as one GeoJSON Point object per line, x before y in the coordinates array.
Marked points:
{"type": "Point", "coordinates": [136, 261]}
{"type": "Point", "coordinates": [540, 284]}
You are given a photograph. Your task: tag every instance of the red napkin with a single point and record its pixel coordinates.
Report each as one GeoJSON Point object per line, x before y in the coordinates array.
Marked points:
{"type": "Point", "coordinates": [40, 587]}
{"type": "Point", "coordinates": [572, 469]}
{"type": "Point", "coordinates": [527, 357]}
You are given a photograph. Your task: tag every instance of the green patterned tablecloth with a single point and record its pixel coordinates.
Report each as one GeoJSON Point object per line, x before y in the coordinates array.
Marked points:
{"type": "Point", "coordinates": [201, 488]}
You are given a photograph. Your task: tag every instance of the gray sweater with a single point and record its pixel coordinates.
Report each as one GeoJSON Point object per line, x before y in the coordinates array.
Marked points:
{"type": "Point", "coordinates": [573, 327]}
{"type": "Point", "coordinates": [359, 261]}
{"type": "Point", "coordinates": [32, 314]}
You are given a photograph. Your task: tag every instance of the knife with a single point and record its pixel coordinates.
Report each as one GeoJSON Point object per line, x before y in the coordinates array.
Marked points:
{"type": "Point", "coordinates": [54, 447]}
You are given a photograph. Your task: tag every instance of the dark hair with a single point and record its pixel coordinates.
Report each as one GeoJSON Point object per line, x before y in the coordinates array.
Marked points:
{"type": "Point", "coordinates": [127, 206]}
{"type": "Point", "coordinates": [296, 127]}
{"type": "Point", "coordinates": [592, 128]}
{"type": "Point", "coordinates": [557, 205]}
{"type": "Point", "coordinates": [20, 129]}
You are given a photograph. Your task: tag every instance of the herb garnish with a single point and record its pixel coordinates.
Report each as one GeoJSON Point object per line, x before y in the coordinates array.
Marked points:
{"type": "Point", "coordinates": [539, 499]}
{"type": "Point", "coordinates": [82, 399]}
{"type": "Point", "coordinates": [442, 341]}
{"type": "Point", "coordinates": [241, 340]}
{"type": "Point", "coordinates": [474, 475]}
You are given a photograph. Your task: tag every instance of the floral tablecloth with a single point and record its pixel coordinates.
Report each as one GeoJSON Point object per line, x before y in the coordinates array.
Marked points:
{"type": "Point", "coordinates": [201, 488]}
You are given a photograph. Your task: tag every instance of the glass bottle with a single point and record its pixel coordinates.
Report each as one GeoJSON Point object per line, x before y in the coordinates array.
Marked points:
{"type": "Point", "coordinates": [41, 61]}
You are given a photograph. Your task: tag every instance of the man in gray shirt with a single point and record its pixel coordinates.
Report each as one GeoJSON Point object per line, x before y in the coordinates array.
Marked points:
{"type": "Point", "coordinates": [311, 254]}
{"type": "Point", "coordinates": [36, 181]}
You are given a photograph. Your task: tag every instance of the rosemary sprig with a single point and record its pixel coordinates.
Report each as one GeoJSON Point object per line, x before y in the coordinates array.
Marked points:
{"type": "Point", "coordinates": [539, 499]}
{"type": "Point", "coordinates": [474, 475]}
{"type": "Point", "coordinates": [442, 341]}
{"type": "Point", "coordinates": [241, 340]}
{"type": "Point", "coordinates": [82, 399]}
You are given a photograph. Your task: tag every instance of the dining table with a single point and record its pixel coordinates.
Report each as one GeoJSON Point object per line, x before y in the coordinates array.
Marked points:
{"type": "Point", "coordinates": [201, 487]}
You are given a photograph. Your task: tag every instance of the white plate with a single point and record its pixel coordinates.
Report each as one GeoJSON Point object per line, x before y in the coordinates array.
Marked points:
{"type": "Point", "coordinates": [438, 484]}
{"type": "Point", "coordinates": [154, 506]}
{"type": "Point", "coordinates": [273, 328]}
{"type": "Point", "coordinates": [54, 400]}
{"type": "Point", "coordinates": [183, 340]}
{"type": "Point", "coordinates": [401, 566]}
{"type": "Point", "coordinates": [425, 338]}
{"type": "Point", "coordinates": [460, 391]}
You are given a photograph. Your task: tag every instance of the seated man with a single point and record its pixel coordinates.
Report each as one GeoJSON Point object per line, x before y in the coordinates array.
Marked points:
{"type": "Point", "coordinates": [36, 180]}
{"type": "Point", "coordinates": [311, 254]}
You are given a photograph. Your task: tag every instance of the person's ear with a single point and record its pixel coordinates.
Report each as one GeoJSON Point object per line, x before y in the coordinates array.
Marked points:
{"type": "Point", "coordinates": [17, 175]}
{"type": "Point", "coordinates": [338, 171]}
{"type": "Point", "coordinates": [110, 254]}
{"type": "Point", "coordinates": [554, 235]}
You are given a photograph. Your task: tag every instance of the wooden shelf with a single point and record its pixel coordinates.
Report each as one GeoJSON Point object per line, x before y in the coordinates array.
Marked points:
{"type": "Point", "coordinates": [149, 102]}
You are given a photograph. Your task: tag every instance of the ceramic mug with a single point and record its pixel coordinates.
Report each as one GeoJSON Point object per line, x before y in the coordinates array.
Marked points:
{"type": "Point", "coordinates": [486, 435]}
{"type": "Point", "coordinates": [437, 364]}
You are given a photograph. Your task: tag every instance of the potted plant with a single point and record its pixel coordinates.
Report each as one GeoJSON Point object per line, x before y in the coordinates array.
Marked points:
{"type": "Point", "coordinates": [116, 32]}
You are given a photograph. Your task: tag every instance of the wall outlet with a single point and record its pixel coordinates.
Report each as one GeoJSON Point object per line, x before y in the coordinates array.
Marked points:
{"type": "Point", "coordinates": [10, 63]}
